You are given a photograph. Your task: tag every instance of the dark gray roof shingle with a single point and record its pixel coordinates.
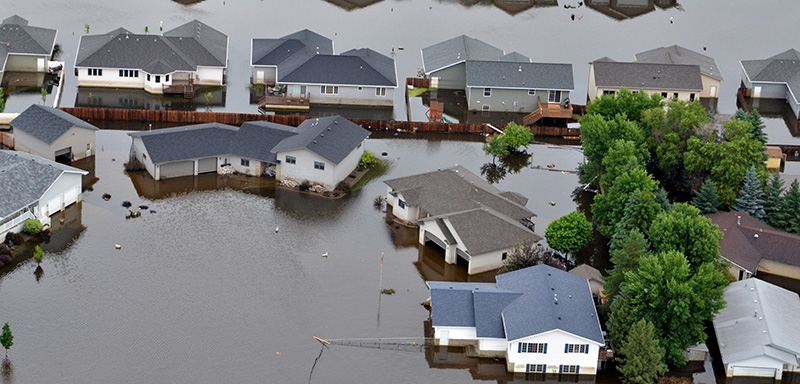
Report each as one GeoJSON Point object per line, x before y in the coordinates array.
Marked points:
{"type": "Point", "coordinates": [332, 137]}
{"type": "Point", "coordinates": [187, 142]}
{"type": "Point", "coordinates": [47, 124]}
{"type": "Point", "coordinates": [24, 178]}
{"type": "Point", "coordinates": [19, 37]}
{"type": "Point", "coordinates": [519, 75]}
{"type": "Point", "coordinates": [452, 304]}
{"type": "Point", "coordinates": [781, 68]}
{"type": "Point", "coordinates": [456, 50]}
{"type": "Point", "coordinates": [637, 76]}
{"type": "Point", "coordinates": [354, 67]}
{"type": "Point", "coordinates": [679, 55]}
{"type": "Point", "coordinates": [290, 51]}
{"type": "Point", "coordinates": [484, 230]}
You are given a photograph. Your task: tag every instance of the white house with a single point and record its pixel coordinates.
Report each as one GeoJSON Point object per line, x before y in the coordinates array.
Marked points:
{"type": "Point", "coordinates": [33, 187]}
{"type": "Point", "coordinates": [678, 81]}
{"type": "Point", "coordinates": [53, 134]}
{"type": "Point", "coordinates": [189, 55]}
{"type": "Point", "coordinates": [463, 214]}
{"type": "Point", "coordinates": [540, 319]}
{"type": "Point", "coordinates": [323, 151]}
{"type": "Point", "coordinates": [775, 77]}
{"type": "Point", "coordinates": [25, 48]}
{"type": "Point", "coordinates": [757, 331]}
{"type": "Point", "coordinates": [303, 65]}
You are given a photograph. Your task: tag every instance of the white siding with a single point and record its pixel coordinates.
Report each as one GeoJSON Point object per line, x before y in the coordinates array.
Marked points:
{"type": "Point", "coordinates": [771, 90]}
{"type": "Point", "coordinates": [485, 262]}
{"type": "Point", "coordinates": [25, 63]}
{"type": "Point", "coordinates": [349, 95]}
{"type": "Point", "coordinates": [24, 142]}
{"type": "Point", "coordinates": [405, 212]}
{"type": "Point", "coordinates": [210, 75]}
{"type": "Point", "coordinates": [348, 164]}
{"type": "Point", "coordinates": [455, 334]}
{"type": "Point", "coordinates": [63, 187]}
{"type": "Point", "coordinates": [79, 139]}
{"type": "Point", "coordinates": [487, 344]}
{"type": "Point", "coordinates": [555, 355]}
{"type": "Point", "coordinates": [141, 154]}
{"type": "Point", "coordinates": [304, 169]}
{"type": "Point", "coordinates": [110, 78]}
{"type": "Point", "coordinates": [759, 366]}
{"type": "Point", "coordinates": [709, 82]}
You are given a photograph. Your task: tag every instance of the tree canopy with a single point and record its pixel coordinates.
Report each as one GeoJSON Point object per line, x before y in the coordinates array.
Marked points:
{"type": "Point", "coordinates": [569, 232]}
{"type": "Point", "coordinates": [642, 360]}
{"type": "Point", "coordinates": [683, 229]}
{"type": "Point", "coordinates": [528, 254]}
{"type": "Point", "coordinates": [6, 338]}
{"type": "Point", "coordinates": [608, 208]}
{"type": "Point", "coordinates": [517, 137]}
{"type": "Point", "coordinates": [773, 198]}
{"type": "Point", "coordinates": [707, 198]}
{"type": "Point", "coordinates": [751, 197]}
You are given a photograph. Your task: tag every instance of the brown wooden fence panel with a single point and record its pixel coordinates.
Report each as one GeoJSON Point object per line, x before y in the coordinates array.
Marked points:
{"type": "Point", "coordinates": [7, 140]}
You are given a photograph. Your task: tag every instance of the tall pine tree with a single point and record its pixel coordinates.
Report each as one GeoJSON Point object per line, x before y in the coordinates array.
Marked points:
{"type": "Point", "coordinates": [643, 356]}
{"type": "Point", "coordinates": [758, 126]}
{"type": "Point", "coordinates": [789, 215]}
{"type": "Point", "coordinates": [707, 198]}
{"type": "Point", "coordinates": [773, 199]}
{"type": "Point", "coordinates": [751, 197]}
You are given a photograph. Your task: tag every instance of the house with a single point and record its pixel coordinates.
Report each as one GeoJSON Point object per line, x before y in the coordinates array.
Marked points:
{"type": "Point", "coordinates": [34, 188]}
{"type": "Point", "coordinates": [628, 9]}
{"type": "Point", "coordinates": [775, 77]}
{"type": "Point", "coordinates": [25, 48]}
{"type": "Point", "coordinates": [496, 81]}
{"type": "Point", "coordinates": [464, 215]}
{"type": "Point", "coordinates": [595, 278]}
{"type": "Point", "coordinates": [190, 55]}
{"type": "Point", "coordinates": [709, 70]}
{"type": "Point", "coordinates": [540, 319]}
{"type": "Point", "coordinates": [752, 246]}
{"type": "Point", "coordinates": [323, 151]}
{"type": "Point", "coordinates": [757, 330]}
{"type": "Point", "coordinates": [303, 65]}
{"type": "Point", "coordinates": [678, 81]}
{"type": "Point", "coordinates": [53, 134]}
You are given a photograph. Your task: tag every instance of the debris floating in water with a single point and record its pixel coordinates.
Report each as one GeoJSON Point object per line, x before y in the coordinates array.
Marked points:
{"type": "Point", "coordinates": [325, 254]}
{"type": "Point", "coordinates": [144, 207]}
{"type": "Point", "coordinates": [553, 203]}
{"type": "Point", "coordinates": [387, 291]}
{"type": "Point", "coordinates": [126, 204]}
{"type": "Point", "coordinates": [106, 197]}
{"type": "Point", "coordinates": [117, 246]}
{"type": "Point", "coordinates": [276, 229]}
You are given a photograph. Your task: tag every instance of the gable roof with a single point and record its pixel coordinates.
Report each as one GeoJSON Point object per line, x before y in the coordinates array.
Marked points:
{"type": "Point", "coordinates": [781, 68]}
{"type": "Point", "coordinates": [746, 241]}
{"type": "Point", "coordinates": [184, 48]}
{"type": "Point", "coordinates": [332, 137]}
{"type": "Point", "coordinates": [24, 178]}
{"type": "Point", "coordinates": [47, 124]}
{"type": "Point", "coordinates": [647, 76]}
{"type": "Point", "coordinates": [679, 55]}
{"type": "Point", "coordinates": [502, 74]}
{"type": "Point", "coordinates": [20, 38]}
{"type": "Point", "coordinates": [484, 230]}
{"type": "Point", "coordinates": [355, 67]}
{"type": "Point", "coordinates": [453, 190]}
{"type": "Point", "coordinates": [290, 51]}
{"type": "Point", "coordinates": [457, 50]}
{"type": "Point", "coordinates": [588, 272]}
{"type": "Point", "coordinates": [760, 319]}
{"type": "Point", "coordinates": [522, 303]}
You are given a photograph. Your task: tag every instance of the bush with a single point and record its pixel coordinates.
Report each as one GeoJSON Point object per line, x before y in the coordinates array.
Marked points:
{"type": "Point", "coordinates": [38, 254]}
{"type": "Point", "coordinates": [343, 187]}
{"type": "Point", "coordinates": [13, 239]}
{"type": "Point", "coordinates": [5, 255]}
{"type": "Point", "coordinates": [305, 185]}
{"type": "Point", "coordinates": [368, 159]}
{"type": "Point", "coordinates": [32, 226]}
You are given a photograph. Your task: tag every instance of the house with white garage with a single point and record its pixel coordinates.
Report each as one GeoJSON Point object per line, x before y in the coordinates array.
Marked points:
{"type": "Point", "coordinates": [497, 81]}
{"type": "Point", "coordinates": [53, 134]}
{"type": "Point", "coordinates": [775, 77]}
{"type": "Point", "coordinates": [25, 48]}
{"type": "Point", "coordinates": [304, 66]}
{"type": "Point", "coordinates": [323, 151]}
{"type": "Point", "coordinates": [472, 221]}
{"type": "Point", "coordinates": [34, 188]}
{"type": "Point", "coordinates": [709, 70]}
{"type": "Point", "coordinates": [757, 330]}
{"type": "Point", "coordinates": [540, 319]}
{"type": "Point", "coordinates": [175, 62]}
{"type": "Point", "coordinates": [671, 81]}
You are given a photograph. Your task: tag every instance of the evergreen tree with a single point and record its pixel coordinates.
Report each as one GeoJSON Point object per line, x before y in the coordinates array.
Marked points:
{"type": "Point", "coordinates": [643, 357]}
{"type": "Point", "coordinates": [740, 114]}
{"type": "Point", "coordinates": [789, 215]}
{"type": "Point", "coordinates": [773, 198]}
{"type": "Point", "coordinates": [627, 248]}
{"type": "Point", "coordinates": [707, 199]}
{"type": "Point", "coordinates": [758, 126]}
{"type": "Point", "coordinates": [6, 338]}
{"type": "Point", "coordinates": [751, 197]}
{"type": "Point", "coordinates": [663, 199]}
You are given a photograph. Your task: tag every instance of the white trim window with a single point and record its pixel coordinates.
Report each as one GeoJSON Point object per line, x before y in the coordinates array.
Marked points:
{"type": "Point", "coordinates": [532, 348]}
{"type": "Point", "coordinates": [319, 165]}
{"type": "Point", "coordinates": [245, 162]}
{"type": "Point", "coordinates": [536, 368]}
{"type": "Point", "coordinates": [329, 90]}
{"type": "Point", "coordinates": [380, 92]}
{"type": "Point", "coordinates": [569, 369]}
{"type": "Point", "coordinates": [94, 71]}
{"type": "Point", "coordinates": [531, 92]}
{"type": "Point", "coordinates": [486, 107]}
{"type": "Point", "coordinates": [576, 348]}
{"type": "Point", "coordinates": [554, 96]}
{"type": "Point", "coordinates": [487, 92]}
{"type": "Point", "coordinates": [291, 159]}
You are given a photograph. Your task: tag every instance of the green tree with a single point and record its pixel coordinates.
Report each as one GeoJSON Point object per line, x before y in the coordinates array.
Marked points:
{"type": "Point", "coordinates": [643, 357]}
{"type": "Point", "coordinates": [496, 146]}
{"type": "Point", "coordinates": [640, 211]}
{"type": "Point", "coordinates": [707, 198]}
{"type": "Point", "coordinates": [624, 102]}
{"type": "Point", "coordinates": [38, 254]}
{"type": "Point", "coordinates": [569, 232]}
{"type": "Point", "coordinates": [751, 197]}
{"type": "Point", "coordinates": [740, 114]}
{"type": "Point", "coordinates": [598, 133]}
{"type": "Point", "coordinates": [32, 226]}
{"type": "Point", "coordinates": [622, 157]}
{"type": "Point", "coordinates": [663, 199]}
{"type": "Point", "coordinates": [664, 291]}
{"type": "Point", "coordinates": [788, 219]}
{"type": "Point", "coordinates": [758, 126]}
{"type": "Point", "coordinates": [608, 208]}
{"type": "Point", "coordinates": [528, 254]}
{"type": "Point", "coordinates": [517, 137]}
{"type": "Point", "coordinates": [772, 198]}
{"type": "Point", "coordinates": [627, 248]}
{"type": "Point", "coordinates": [6, 338]}
{"type": "Point", "coordinates": [2, 100]}
{"type": "Point", "coordinates": [44, 94]}
{"type": "Point", "coordinates": [683, 229]}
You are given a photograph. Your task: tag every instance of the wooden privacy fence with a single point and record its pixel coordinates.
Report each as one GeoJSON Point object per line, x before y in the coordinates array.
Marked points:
{"type": "Point", "coordinates": [7, 140]}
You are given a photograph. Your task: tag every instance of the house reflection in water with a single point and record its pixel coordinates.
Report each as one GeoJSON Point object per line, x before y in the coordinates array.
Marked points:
{"type": "Point", "coordinates": [139, 99]}
{"type": "Point", "coordinates": [628, 9]}
{"type": "Point", "coordinates": [350, 5]}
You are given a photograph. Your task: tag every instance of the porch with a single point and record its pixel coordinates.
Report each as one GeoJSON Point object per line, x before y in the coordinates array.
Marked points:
{"type": "Point", "coordinates": [559, 111]}
{"type": "Point", "coordinates": [283, 102]}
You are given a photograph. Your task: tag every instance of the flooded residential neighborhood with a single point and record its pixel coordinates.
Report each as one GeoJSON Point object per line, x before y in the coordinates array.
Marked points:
{"type": "Point", "coordinates": [235, 278]}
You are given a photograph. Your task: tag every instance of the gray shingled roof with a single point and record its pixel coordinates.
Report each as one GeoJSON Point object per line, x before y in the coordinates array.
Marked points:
{"type": "Point", "coordinates": [515, 57]}
{"type": "Point", "coordinates": [648, 76]}
{"type": "Point", "coordinates": [24, 178]}
{"type": "Point", "coordinates": [781, 68]}
{"type": "Point", "coordinates": [19, 37]}
{"type": "Point", "coordinates": [457, 50]}
{"type": "Point", "coordinates": [679, 55]}
{"type": "Point", "coordinates": [484, 230]}
{"type": "Point", "coordinates": [354, 67]}
{"type": "Point", "coordinates": [746, 241]}
{"type": "Point", "coordinates": [187, 142]}
{"type": "Point", "coordinates": [182, 49]}
{"type": "Point", "coordinates": [454, 190]}
{"type": "Point", "coordinates": [760, 319]}
{"type": "Point", "coordinates": [47, 124]}
{"type": "Point", "coordinates": [290, 51]}
{"type": "Point", "coordinates": [521, 304]}
{"type": "Point", "coordinates": [519, 75]}
{"type": "Point", "coordinates": [256, 139]}
{"type": "Point", "coordinates": [332, 137]}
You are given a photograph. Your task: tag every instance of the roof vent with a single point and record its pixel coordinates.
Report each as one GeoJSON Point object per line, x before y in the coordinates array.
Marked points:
{"type": "Point", "coordinates": [738, 220]}
{"type": "Point", "coordinates": [755, 301]}
{"type": "Point", "coordinates": [321, 135]}
{"type": "Point", "coordinates": [755, 235]}
{"type": "Point", "coordinates": [315, 141]}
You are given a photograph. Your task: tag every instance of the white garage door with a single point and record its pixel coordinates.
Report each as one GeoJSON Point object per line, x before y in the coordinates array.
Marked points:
{"type": "Point", "coordinates": [209, 164]}
{"type": "Point", "coordinates": [753, 372]}
{"type": "Point", "coordinates": [178, 168]}
{"type": "Point", "coordinates": [54, 205]}
{"type": "Point", "coordinates": [71, 195]}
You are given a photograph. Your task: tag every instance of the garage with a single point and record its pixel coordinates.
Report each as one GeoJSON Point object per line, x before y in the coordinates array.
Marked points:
{"type": "Point", "coordinates": [206, 165]}
{"type": "Point", "coordinates": [431, 237]}
{"type": "Point", "coordinates": [54, 205]}
{"type": "Point", "coordinates": [739, 371]}
{"type": "Point", "coordinates": [64, 155]}
{"type": "Point", "coordinates": [177, 168]}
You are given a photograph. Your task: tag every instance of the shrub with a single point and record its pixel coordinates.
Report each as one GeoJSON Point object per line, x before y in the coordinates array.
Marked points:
{"type": "Point", "coordinates": [134, 165]}
{"type": "Point", "coordinates": [343, 187]}
{"type": "Point", "coordinates": [13, 239]}
{"type": "Point", "coordinates": [368, 159]}
{"type": "Point", "coordinates": [32, 226]}
{"type": "Point", "coordinates": [304, 185]}
{"type": "Point", "coordinates": [38, 254]}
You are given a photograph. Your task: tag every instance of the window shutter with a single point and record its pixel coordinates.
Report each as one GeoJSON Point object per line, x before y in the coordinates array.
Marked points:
{"type": "Point", "coordinates": [577, 369]}
{"type": "Point", "coordinates": [587, 349]}
{"type": "Point", "coordinates": [545, 348]}
{"type": "Point", "coordinates": [519, 348]}
{"type": "Point", "coordinates": [560, 369]}
{"type": "Point", "coordinates": [566, 348]}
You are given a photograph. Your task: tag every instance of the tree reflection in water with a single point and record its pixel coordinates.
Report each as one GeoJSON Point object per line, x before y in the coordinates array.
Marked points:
{"type": "Point", "coordinates": [511, 163]}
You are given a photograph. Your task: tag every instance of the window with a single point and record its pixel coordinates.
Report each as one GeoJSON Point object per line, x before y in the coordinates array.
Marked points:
{"type": "Point", "coordinates": [536, 368]}
{"type": "Point", "coordinates": [741, 274]}
{"type": "Point", "coordinates": [664, 95]}
{"type": "Point", "coordinates": [144, 156]}
{"type": "Point", "coordinates": [505, 255]}
{"type": "Point", "coordinates": [531, 92]}
{"type": "Point", "coordinates": [691, 97]}
{"type": "Point", "coordinates": [319, 165]}
{"type": "Point", "coordinates": [95, 72]}
{"type": "Point", "coordinates": [148, 77]}
{"type": "Point", "coordinates": [568, 369]}
{"type": "Point", "coordinates": [166, 79]}
{"type": "Point", "coordinates": [486, 107]}
{"type": "Point", "coordinates": [121, 72]}
{"type": "Point", "coordinates": [609, 92]}
{"type": "Point", "coordinates": [291, 160]}
{"type": "Point", "coordinates": [380, 91]}
{"type": "Point", "coordinates": [554, 97]}
{"type": "Point", "coordinates": [128, 73]}
{"type": "Point", "coordinates": [675, 95]}
{"type": "Point", "coordinates": [532, 348]}
{"type": "Point", "coordinates": [401, 203]}
{"type": "Point", "coordinates": [158, 78]}
{"type": "Point", "coordinates": [487, 92]}
{"type": "Point", "coordinates": [576, 348]}
{"type": "Point", "coordinates": [245, 162]}
{"type": "Point", "coordinates": [136, 73]}
{"type": "Point", "coordinates": [329, 90]}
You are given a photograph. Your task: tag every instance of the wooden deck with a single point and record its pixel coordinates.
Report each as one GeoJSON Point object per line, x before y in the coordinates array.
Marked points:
{"type": "Point", "coordinates": [548, 110]}
{"type": "Point", "coordinates": [184, 90]}
{"type": "Point", "coordinates": [283, 102]}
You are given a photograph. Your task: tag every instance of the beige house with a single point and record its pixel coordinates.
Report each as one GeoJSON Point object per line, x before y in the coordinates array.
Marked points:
{"type": "Point", "coordinates": [53, 134]}
{"type": "Point", "coordinates": [673, 81]}
{"type": "Point", "coordinates": [710, 74]}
